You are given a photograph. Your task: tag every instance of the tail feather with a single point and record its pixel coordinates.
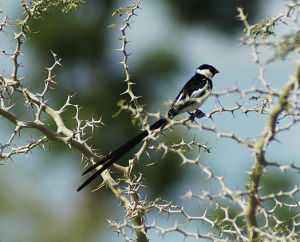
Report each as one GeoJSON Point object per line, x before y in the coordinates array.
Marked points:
{"type": "Point", "coordinates": [97, 173]}
{"type": "Point", "coordinates": [159, 124]}
{"type": "Point", "coordinates": [119, 153]}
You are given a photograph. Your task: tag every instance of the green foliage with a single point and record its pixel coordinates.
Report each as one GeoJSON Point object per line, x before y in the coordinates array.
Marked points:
{"type": "Point", "coordinates": [65, 5]}
{"type": "Point", "coordinates": [120, 11]}
{"type": "Point", "coordinates": [264, 28]}
{"type": "Point", "coordinates": [219, 14]}
{"type": "Point", "coordinates": [288, 44]}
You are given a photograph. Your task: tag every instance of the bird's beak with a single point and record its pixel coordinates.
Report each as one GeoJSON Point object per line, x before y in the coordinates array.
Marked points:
{"type": "Point", "coordinates": [217, 71]}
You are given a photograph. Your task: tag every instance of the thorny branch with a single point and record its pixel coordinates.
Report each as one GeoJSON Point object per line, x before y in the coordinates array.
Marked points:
{"type": "Point", "coordinates": [240, 215]}
{"type": "Point", "coordinates": [249, 202]}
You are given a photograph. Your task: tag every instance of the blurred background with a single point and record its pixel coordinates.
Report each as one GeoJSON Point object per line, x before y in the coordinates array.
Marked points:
{"type": "Point", "coordinates": [169, 40]}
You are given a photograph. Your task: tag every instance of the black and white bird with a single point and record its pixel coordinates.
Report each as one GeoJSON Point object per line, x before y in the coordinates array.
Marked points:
{"type": "Point", "coordinates": [190, 98]}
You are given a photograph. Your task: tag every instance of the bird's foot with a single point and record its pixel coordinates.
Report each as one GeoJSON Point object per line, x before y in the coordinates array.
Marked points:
{"type": "Point", "coordinates": [197, 114]}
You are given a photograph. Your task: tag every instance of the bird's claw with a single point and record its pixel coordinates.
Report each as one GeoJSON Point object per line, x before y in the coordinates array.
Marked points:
{"type": "Point", "coordinates": [197, 114]}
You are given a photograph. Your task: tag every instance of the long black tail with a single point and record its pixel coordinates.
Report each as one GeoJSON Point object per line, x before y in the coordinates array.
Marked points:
{"type": "Point", "coordinates": [119, 153]}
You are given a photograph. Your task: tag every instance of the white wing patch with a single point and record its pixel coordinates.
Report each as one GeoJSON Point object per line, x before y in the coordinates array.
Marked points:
{"type": "Point", "coordinates": [197, 98]}
{"type": "Point", "coordinates": [179, 99]}
{"type": "Point", "coordinates": [197, 93]}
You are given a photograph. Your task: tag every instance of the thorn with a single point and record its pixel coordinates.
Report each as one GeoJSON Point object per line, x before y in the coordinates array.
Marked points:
{"type": "Point", "coordinates": [233, 113]}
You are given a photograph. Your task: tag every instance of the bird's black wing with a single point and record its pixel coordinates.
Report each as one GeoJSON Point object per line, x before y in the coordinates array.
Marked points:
{"type": "Point", "coordinates": [194, 88]}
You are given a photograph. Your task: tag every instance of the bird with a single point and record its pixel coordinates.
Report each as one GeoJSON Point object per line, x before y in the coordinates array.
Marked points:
{"type": "Point", "coordinates": [192, 96]}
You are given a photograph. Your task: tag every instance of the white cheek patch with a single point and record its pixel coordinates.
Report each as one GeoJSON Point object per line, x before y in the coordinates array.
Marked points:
{"type": "Point", "coordinates": [206, 72]}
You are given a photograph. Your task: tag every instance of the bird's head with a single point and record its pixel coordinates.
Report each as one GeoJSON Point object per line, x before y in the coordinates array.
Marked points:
{"type": "Point", "coordinates": [207, 71]}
